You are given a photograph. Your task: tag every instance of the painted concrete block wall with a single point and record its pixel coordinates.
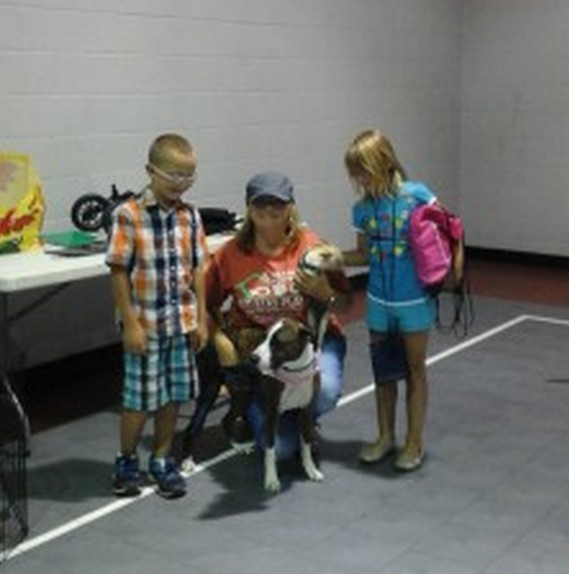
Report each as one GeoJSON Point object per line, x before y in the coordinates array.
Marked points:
{"type": "Point", "coordinates": [514, 183]}
{"type": "Point", "coordinates": [254, 84]}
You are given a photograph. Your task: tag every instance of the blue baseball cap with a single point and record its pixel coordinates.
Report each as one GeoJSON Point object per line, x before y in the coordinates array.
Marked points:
{"type": "Point", "coordinates": [270, 184]}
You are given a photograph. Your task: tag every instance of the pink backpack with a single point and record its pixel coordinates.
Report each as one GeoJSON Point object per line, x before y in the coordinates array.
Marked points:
{"type": "Point", "coordinates": [432, 232]}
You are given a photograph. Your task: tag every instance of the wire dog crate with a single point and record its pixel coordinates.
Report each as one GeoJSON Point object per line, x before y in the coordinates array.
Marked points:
{"type": "Point", "coordinates": [14, 435]}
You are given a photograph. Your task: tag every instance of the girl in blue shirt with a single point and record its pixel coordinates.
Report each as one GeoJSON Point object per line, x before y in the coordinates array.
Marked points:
{"type": "Point", "coordinates": [398, 307]}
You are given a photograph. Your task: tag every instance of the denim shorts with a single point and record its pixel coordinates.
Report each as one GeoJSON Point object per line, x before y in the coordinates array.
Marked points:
{"type": "Point", "coordinates": [406, 317]}
{"type": "Point", "coordinates": [166, 373]}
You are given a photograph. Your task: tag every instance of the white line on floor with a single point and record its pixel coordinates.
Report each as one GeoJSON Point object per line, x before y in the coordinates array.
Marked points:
{"type": "Point", "coordinates": [444, 354]}
{"type": "Point", "coordinates": [550, 320]}
{"type": "Point", "coordinates": [116, 505]}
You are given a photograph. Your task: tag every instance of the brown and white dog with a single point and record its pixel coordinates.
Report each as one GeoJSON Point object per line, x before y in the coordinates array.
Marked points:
{"type": "Point", "coordinates": [316, 260]}
{"type": "Point", "coordinates": [286, 360]}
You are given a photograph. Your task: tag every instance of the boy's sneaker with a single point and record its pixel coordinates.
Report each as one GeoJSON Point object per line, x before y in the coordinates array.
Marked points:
{"type": "Point", "coordinates": [171, 484]}
{"type": "Point", "coordinates": [126, 477]}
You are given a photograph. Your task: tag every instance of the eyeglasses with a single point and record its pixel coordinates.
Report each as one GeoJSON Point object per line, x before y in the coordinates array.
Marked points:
{"type": "Point", "coordinates": [179, 179]}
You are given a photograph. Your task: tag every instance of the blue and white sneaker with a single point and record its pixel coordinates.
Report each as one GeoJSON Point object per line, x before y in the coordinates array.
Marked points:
{"type": "Point", "coordinates": [126, 476]}
{"type": "Point", "coordinates": [165, 473]}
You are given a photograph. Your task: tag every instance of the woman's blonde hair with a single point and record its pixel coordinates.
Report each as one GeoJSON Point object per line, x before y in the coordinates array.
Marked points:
{"type": "Point", "coordinates": [245, 235]}
{"type": "Point", "coordinates": [372, 153]}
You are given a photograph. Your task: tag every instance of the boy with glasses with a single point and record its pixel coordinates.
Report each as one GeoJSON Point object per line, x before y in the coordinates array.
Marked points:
{"type": "Point", "coordinates": [156, 254]}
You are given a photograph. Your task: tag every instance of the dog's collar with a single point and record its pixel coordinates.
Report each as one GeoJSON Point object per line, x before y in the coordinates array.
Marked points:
{"type": "Point", "coordinates": [294, 378]}
{"type": "Point", "coordinates": [298, 371]}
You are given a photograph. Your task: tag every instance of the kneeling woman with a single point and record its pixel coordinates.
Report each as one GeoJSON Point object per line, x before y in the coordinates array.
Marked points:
{"type": "Point", "coordinates": [254, 278]}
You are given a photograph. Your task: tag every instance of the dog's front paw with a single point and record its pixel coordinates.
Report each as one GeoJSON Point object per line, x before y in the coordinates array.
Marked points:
{"type": "Point", "coordinates": [312, 471]}
{"type": "Point", "coordinates": [272, 482]}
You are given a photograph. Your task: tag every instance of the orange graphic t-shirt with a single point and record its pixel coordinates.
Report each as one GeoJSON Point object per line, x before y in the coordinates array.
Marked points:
{"type": "Point", "coordinates": [261, 288]}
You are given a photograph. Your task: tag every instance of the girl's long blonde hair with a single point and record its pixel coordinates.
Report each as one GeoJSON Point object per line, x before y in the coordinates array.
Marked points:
{"type": "Point", "coordinates": [372, 154]}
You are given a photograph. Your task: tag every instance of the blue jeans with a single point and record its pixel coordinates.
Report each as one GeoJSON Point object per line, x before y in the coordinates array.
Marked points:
{"type": "Point", "coordinates": [331, 366]}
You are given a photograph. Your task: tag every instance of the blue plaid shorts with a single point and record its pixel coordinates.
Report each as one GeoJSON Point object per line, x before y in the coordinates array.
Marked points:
{"type": "Point", "coordinates": [166, 374]}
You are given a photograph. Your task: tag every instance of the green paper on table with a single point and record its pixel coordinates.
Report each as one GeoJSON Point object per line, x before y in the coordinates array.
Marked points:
{"type": "Point", "coordinates": [72, 243]}
{"type": "Point", "coordinates": [69, 238]}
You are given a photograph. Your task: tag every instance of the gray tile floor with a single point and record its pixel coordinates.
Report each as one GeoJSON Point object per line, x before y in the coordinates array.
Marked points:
{"type": "Point", "coordinates": [492, 497]}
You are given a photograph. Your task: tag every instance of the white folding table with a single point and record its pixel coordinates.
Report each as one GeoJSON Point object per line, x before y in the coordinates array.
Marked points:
{"type": "Point", "coordinates": [43, 269]}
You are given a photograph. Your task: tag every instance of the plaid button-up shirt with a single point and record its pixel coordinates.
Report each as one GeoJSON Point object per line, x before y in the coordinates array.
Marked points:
{"type": "Point", "coordinates": [160, 250]}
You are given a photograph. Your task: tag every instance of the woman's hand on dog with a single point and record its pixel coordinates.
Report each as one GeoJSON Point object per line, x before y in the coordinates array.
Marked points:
{"type": "Point", "coordinates": [315, 286]}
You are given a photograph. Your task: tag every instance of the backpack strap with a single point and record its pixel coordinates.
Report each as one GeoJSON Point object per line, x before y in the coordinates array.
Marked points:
{"type": "Point", "coordinates": [461, 311]}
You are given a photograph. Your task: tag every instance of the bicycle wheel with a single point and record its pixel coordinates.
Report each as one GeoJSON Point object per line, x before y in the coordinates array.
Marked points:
{"type": "Point", "coordinates": [88, 212]}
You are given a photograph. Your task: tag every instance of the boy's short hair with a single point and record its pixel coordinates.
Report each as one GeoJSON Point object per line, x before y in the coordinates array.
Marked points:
{"type": "Point", "coordinates": [166, 143]}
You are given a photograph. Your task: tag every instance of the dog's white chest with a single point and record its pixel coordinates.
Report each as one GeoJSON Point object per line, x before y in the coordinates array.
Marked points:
{"type": "Point", "coordinates": [297, 375]}
{"type": "Point", "coordinates": [298, 389]}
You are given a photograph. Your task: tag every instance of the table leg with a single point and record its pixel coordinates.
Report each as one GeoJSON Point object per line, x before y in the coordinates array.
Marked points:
{"type": "Point", "coordinates": [5, 368]}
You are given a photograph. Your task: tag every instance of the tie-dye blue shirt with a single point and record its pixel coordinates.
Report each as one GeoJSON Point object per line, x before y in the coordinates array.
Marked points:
{"type": "Point", "coordinates": [385, 222]}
